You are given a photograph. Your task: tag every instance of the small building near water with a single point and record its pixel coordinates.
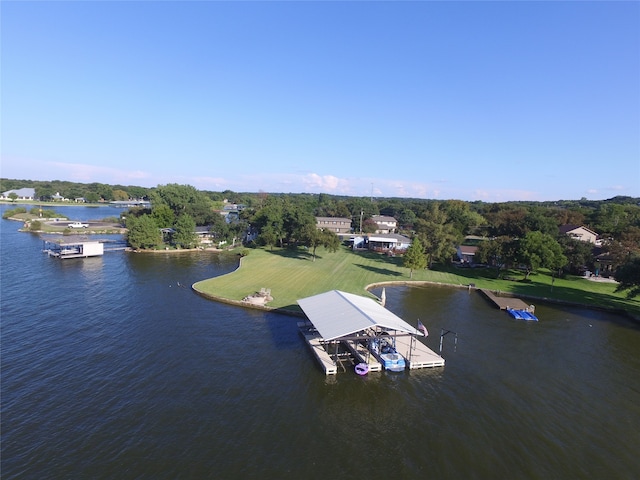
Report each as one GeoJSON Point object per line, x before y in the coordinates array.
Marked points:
{"type": "Point", "coordinates": [389, 242]}
{"type": "Point", "coordinates": [79, 249]}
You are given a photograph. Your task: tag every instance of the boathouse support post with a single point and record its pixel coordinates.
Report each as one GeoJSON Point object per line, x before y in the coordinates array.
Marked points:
{"type": "Point", "coordinates": [411, 347]}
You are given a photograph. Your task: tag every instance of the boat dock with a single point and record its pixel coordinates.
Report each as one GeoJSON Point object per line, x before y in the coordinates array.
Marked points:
{"type": "Point", "coordinates": [341, 327]}
{"type": "Point", "coordinates": [416, 353]}
{"type": "Point", "coordinates": [363, 355]}
{"type": "Point", "coordinates": [80, 249]}
{"type": "Point", "coordinates": [316, 343]}
{"type": "Point", "coordinates": [505, 303]}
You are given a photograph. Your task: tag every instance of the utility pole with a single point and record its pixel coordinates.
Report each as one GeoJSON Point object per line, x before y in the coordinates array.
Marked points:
{"type": "Point", "coordinates": [361, 213]}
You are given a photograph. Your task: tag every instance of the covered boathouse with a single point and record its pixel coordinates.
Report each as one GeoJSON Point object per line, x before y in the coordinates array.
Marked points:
{"type": "Point", "coordinates": [343, 327]}
{"type": "Point", "coordinates": [79, 249]}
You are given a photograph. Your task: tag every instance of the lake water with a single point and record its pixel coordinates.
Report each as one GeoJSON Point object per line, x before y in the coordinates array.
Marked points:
{"type": "Point", "coordinates": [113, 368]}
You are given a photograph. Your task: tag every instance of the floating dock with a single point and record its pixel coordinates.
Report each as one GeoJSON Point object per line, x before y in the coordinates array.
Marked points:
{"type": "Point", "coordinates": [513, 306]}
{"type": "Point", "coordinates": [505, 303]}
{"type": "Point", "coordinates": [522, 315]}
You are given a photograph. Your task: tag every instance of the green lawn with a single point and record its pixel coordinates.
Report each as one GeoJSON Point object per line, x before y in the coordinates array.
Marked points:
{"type": "Point", "coordinates": [292, 274]}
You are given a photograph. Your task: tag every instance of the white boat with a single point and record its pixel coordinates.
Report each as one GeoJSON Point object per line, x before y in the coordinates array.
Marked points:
{"type": "Point", "coordinates": [385, 352]}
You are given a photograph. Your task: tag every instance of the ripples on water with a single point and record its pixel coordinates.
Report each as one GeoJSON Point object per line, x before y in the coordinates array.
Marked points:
{"type": "Point", "coordinates": [110, 369]}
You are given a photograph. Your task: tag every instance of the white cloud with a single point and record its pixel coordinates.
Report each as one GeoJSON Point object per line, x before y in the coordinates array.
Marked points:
{"type": "Point", "coordinates": [325, 183]}
{"type": "Point", "coordinates": [79, 172]}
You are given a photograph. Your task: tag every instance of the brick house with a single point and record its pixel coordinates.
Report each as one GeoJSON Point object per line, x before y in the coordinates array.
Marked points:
{"type": "Point", "coordinates": [338, 225]}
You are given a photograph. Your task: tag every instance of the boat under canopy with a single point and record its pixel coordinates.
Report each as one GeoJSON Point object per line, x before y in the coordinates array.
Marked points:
{"type": "Point", "coordinates": [337, 314]}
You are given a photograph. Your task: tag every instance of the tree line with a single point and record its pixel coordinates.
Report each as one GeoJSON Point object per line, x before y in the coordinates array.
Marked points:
{"type": "Point", "coordinates": [515, 233]}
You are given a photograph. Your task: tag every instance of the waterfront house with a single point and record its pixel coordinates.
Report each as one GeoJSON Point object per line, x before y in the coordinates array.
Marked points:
{"type": "Point", "coordinates": [338, 225]}
{"type": "Point", "coordinates": [205, 237]}
{"type": "Point", "coordinates": [22, 194]}
{"type": "Point", "coordinates": [385, 224]}
{"type": "Point", "coordinates": [387, 242]}
{"type": "Point", "coordinates": [466, 253]}
{"type": "Point", "coordinates": [579, 232]}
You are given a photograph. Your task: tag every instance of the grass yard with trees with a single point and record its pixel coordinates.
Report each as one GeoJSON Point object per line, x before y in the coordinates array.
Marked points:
{"type": "Point", "coordinates": [525, 244]}
{"type": "Point", "coordinates": [291, 274]}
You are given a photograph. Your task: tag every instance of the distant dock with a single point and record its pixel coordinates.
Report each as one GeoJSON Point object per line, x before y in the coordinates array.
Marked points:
{"type": "Point", "coordinates": [81, 249]}
{"type": "Point", "coordinates": [506, 302]}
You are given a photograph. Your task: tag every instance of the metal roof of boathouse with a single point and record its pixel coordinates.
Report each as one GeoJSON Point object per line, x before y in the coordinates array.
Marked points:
{"type": "Point", "coordinates": [337, 314]}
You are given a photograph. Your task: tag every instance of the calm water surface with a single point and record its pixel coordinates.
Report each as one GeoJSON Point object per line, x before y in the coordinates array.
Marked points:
{"type": "Point", "coordinates": [113, 368]}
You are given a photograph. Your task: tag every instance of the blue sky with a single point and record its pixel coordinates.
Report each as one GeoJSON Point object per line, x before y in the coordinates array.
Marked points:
{"type": "Point", "coordinates": [491, 101]}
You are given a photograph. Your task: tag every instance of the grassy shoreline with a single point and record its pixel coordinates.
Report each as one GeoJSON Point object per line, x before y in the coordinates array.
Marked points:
{"type": "Point", "coordinates": [292, 274]}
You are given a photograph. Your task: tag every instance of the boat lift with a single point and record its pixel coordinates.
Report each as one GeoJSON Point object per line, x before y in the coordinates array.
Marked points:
{"type": "Point", "coordinates": [444, 332]}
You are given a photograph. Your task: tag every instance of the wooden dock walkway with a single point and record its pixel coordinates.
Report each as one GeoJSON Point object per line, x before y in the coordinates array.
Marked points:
{"type": "Point", "coordinates": [416, 353]}
{"type": "Point", "coordinates": [505, 302]}
{"type": "Point", "coordinates": [317, 347]}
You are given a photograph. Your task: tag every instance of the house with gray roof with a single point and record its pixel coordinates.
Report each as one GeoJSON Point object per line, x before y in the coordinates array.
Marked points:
{"type": "Point", "coordinates": [22, 193]}
{"type": "Point", "coordinates": [387, 242]}
{"type": "Point", "coordinates": [385, 223]}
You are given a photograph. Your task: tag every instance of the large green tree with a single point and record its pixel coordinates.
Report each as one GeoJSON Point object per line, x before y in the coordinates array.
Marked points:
{"type": "Point", "coordinates": [184, 199]}
{"type": "Point", "coordinates": [296, 221]}
{"type": "Point", "coordinates": [120, 195]}
{"type": "Point", "coordinates": [406, 219]}
{"type": "Point", "coordinates": [624, 246]}
{"type": "Point", "coordinates": [629, 277]}
{"type": "Point", "coordinates": [163, 215]}
{"type": "Point", "coordinates": [184, 232]}
{"type": "Point", "coordinates": [143, 232]}
{"type": "Point", "coordinates": [578, 253]}
{"type": "Point", "coordinates": [268, 221]}
{"type": "Point", "coordinates": [538, 250]}
{"type": "Point", "coordinates": [92, 197]}
{"type": "Point", "coordinates": [460, 215]}
{"type": "Point", "coordinates": [498, 252]}
{"type": "Point", "coordinates": [269, 236]}
{"type": "Point", "coordinates": [414, 258]}
{"type": "Point", "coordinates": [437, 235]}
{"type": "Point", "coordinates": [314, 237]}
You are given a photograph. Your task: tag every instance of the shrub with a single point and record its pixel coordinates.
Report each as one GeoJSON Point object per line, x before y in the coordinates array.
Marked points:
{"type": "Point", "coordinates": [15, 211]}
